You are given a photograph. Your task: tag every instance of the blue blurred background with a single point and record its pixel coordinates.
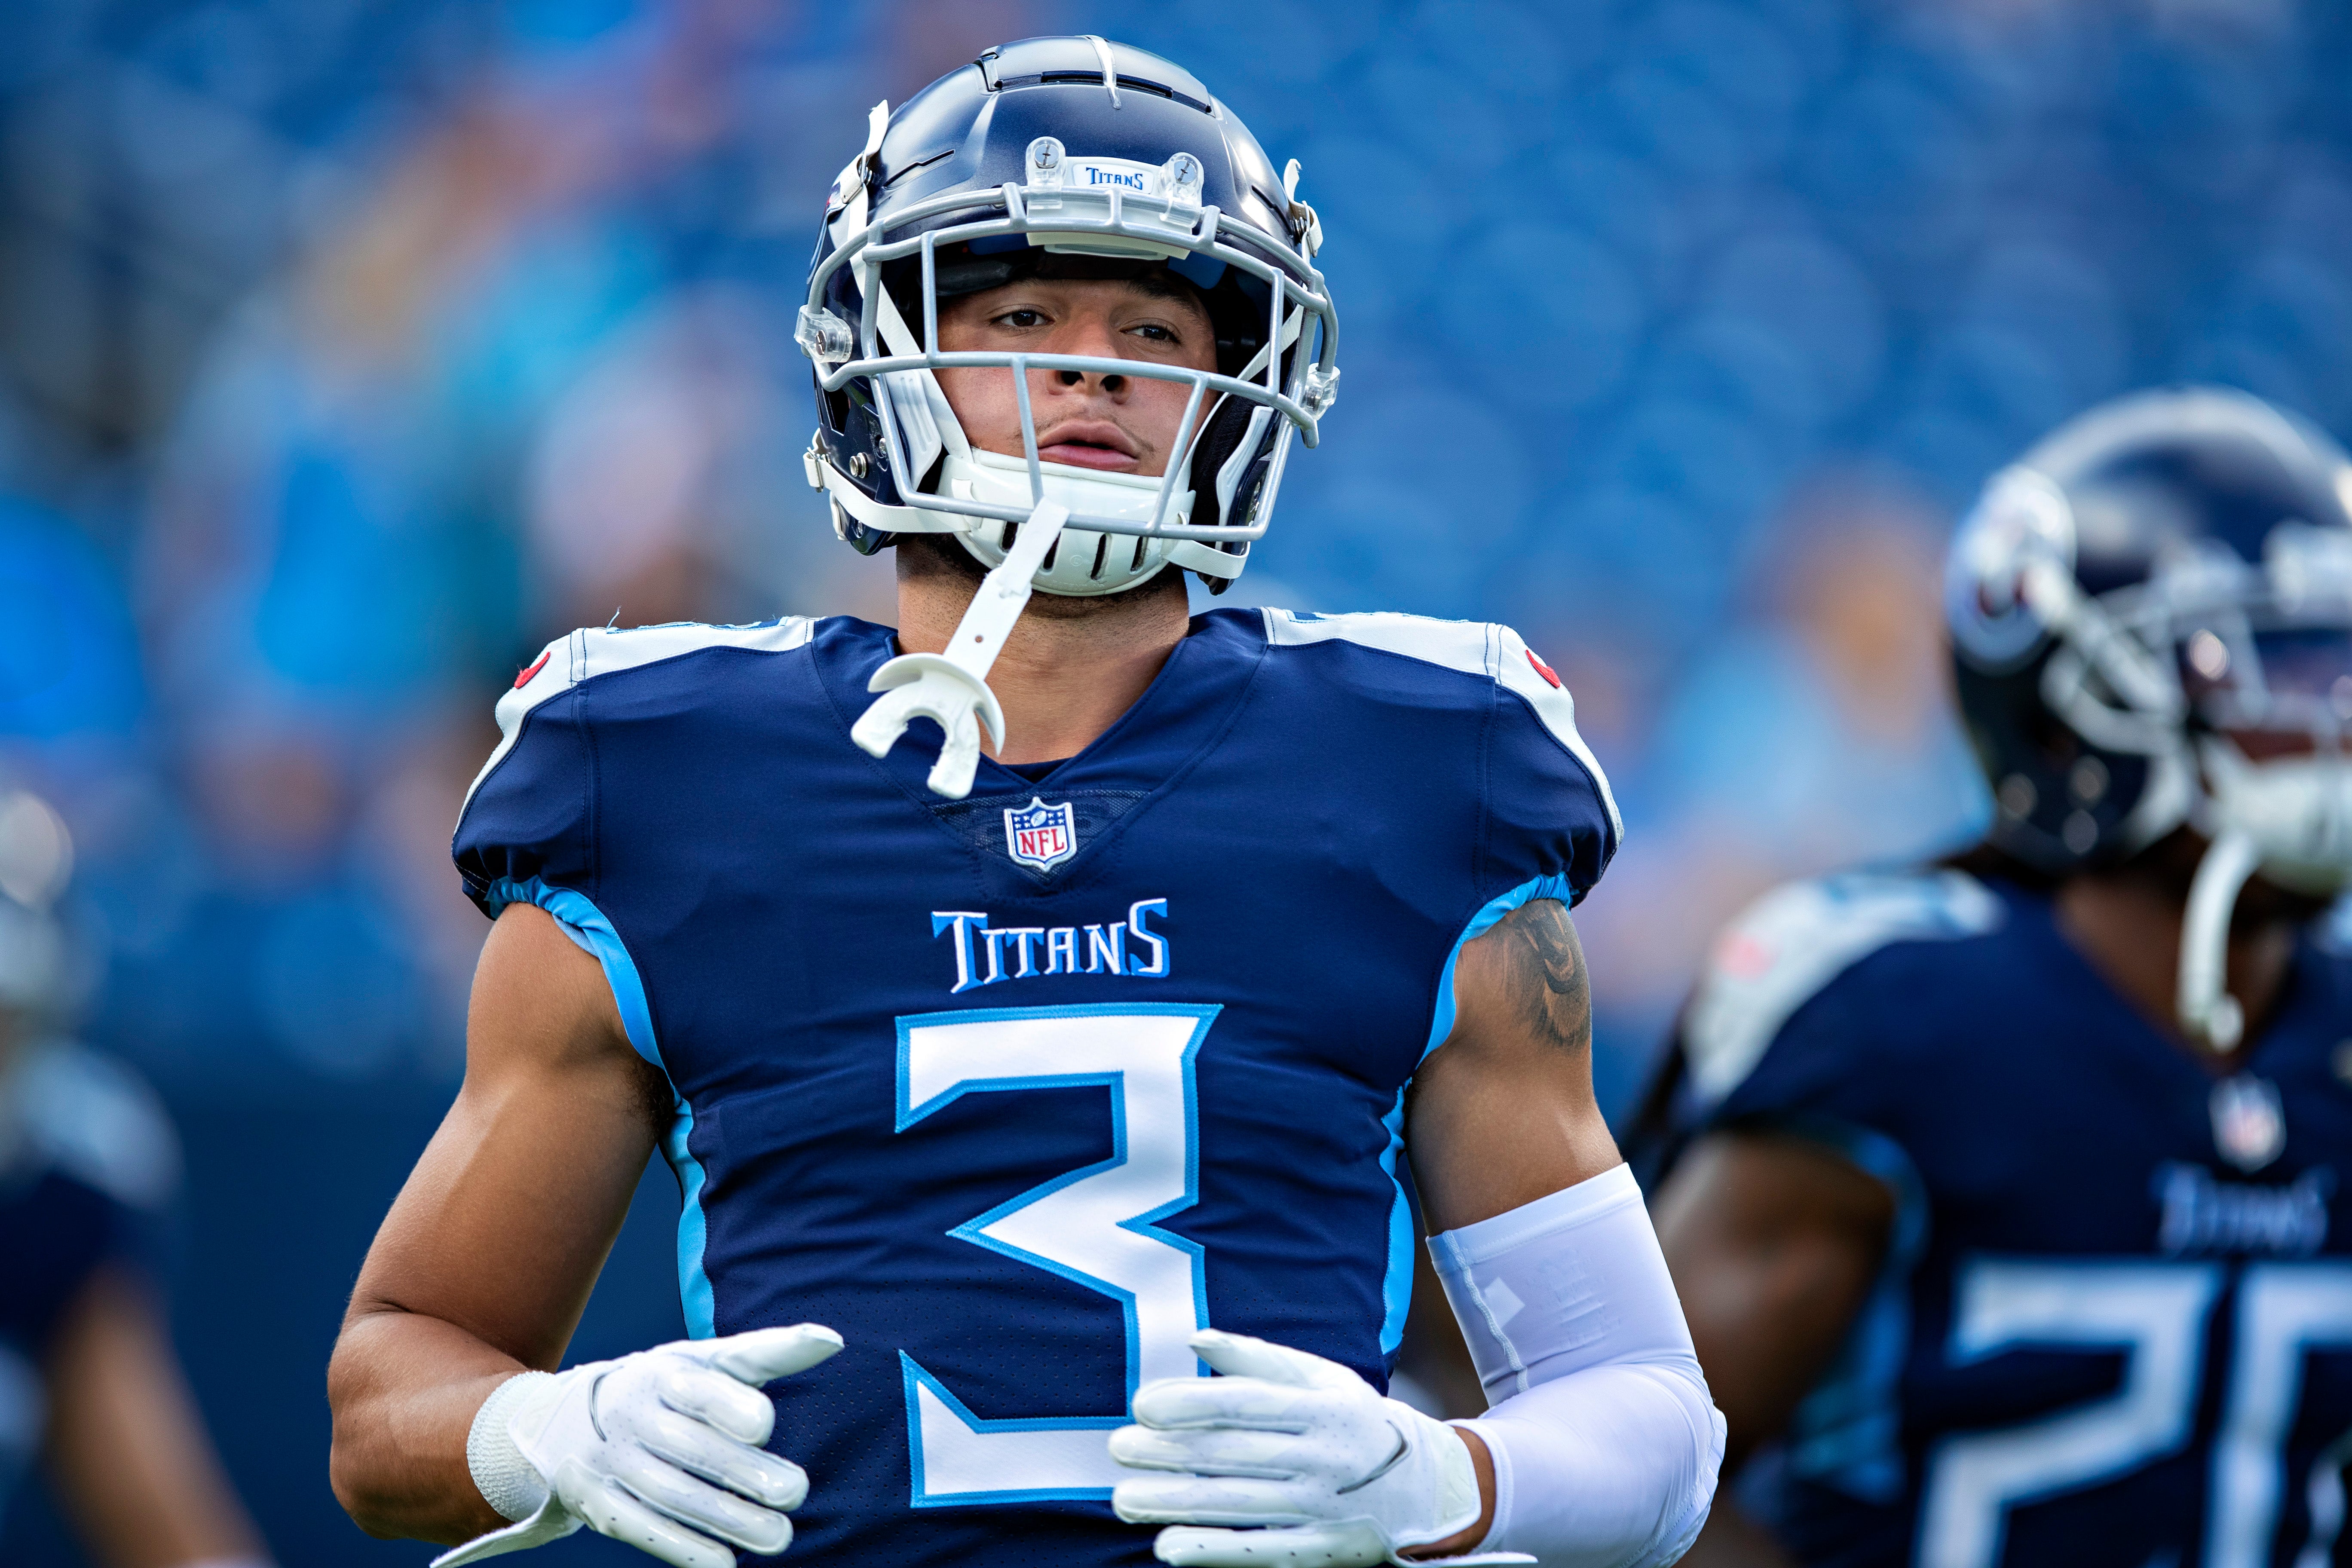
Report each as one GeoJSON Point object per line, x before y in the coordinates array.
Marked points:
{"type": "Point", "coordinates": [349, 349]}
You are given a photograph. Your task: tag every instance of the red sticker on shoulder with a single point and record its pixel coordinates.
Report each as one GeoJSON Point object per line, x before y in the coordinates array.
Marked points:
{"type": "Point", "coordinates": [1743, 957]}
{"type": "Point", "coordinates": [541, 663]}
{"type": "Point", "coordinates": [1541, 668]}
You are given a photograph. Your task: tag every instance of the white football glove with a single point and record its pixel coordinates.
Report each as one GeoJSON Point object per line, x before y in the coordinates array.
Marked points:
{"type": "Point", "coordinates": [629, 1448]}
{"type": "Point", "coordinates": [1330, 1474]}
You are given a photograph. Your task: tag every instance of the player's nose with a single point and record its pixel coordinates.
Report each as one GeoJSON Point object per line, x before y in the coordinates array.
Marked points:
{"type": "Point", "coordinates": [1091, 336]}
{"type": "Point", "coordinates": [1114, 386]}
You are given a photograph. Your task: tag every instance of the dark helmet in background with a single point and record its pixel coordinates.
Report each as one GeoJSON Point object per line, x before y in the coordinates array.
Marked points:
{"type": "Point", "coordinates": [2151, 621]}
{"type": "Point", "coordinates": [1063, 157]}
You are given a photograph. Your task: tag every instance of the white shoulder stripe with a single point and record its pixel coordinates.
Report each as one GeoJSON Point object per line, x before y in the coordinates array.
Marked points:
{"type": "Point", "coordinates": [592, 651]}
{"type": "Point", "coordinates": [1548, 696]}
{"type": "Point", "coordinates": [96, 1119]}
{"type": "Point", "coordinates": [1791, 944]}
{"type": "Point", "coordinates": [1475, 647]}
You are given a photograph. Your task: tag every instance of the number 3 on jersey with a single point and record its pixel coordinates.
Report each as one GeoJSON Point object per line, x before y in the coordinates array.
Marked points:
{"type": "Point", "coordinates": [1098, 1226]}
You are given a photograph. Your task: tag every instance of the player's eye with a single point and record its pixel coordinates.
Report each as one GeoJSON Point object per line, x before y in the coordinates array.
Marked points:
{"type": "Point", "coordinates": [1154, 331]}
{"type": "Point", "coordinates": [1021, 319]}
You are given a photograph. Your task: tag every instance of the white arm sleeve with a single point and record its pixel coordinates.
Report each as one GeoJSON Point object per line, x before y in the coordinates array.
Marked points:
{"type": "Point", "coordinates": [1605, 1443]}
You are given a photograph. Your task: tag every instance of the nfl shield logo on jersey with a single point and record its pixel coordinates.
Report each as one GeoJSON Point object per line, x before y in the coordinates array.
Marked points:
{"type": "Point", "coordinates": [1039, 835]}
{"type": "Point", "coordinates": [2249, 1123]}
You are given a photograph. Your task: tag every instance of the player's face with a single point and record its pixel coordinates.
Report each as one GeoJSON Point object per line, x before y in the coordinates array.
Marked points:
{"type": "Point", "coordinates": [1123, 424]}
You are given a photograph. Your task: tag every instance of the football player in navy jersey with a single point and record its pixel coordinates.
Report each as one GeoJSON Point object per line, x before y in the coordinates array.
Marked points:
{"type": "Point", "coordinates": [2006, 1195]}
{"type": "Point", "coordinates": [88, 1380]}
{"type": "Point", "coordinates": [1023, 1067]}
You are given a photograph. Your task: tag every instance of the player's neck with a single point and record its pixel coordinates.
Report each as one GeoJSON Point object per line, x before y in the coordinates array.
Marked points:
{"type": "Point", "coordinates": [1063, 678]}
{"type": "Point", "coordinates": [2127, 923]}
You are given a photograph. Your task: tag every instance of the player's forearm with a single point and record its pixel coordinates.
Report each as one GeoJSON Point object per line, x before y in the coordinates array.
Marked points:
{"type": "Point", "coordinates": [404, 1389]}
{"type": "Point", "coordinates": [1604, 1442]}
{"type": "Point", "coordinates": [1610, 1466]}
{"type": "Point", "coordinates": [126, 1445]}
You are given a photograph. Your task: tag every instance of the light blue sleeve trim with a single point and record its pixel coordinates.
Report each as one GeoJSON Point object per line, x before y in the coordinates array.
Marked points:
{"type": "Point", "coordinates": [1441, 1023]}
{"type": "Point", "coordinates": [1845, 1433]}
{"type": "Point", "coordinates": [1396, 1283]}
{"type": "Point", "coordinates": [592, 933]}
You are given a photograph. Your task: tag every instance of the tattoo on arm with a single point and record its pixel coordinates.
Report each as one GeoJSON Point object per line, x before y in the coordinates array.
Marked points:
{"type": "Point", "coordinates": [1548, 978]}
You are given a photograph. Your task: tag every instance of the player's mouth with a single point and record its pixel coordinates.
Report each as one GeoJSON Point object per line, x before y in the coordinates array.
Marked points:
{"type": "Point", "coordinates": [1089, 444]}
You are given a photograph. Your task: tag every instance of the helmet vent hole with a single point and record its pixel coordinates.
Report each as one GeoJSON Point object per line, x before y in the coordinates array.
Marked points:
{"type": "Point", "coordinates": [1137, 564]}
{"type": "Point", "coordinates": [1051, 550]}
{"type": "Point", "coordinates": [2017, 796]}
{"type": "Point", "coordinates": [2081, 832]}
{"type": "Point", "coordinates": [1102, 553]}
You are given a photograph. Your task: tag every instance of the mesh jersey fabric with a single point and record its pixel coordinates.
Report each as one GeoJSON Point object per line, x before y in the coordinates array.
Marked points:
{"type": "Point", "coordinates": [1010, 1125]}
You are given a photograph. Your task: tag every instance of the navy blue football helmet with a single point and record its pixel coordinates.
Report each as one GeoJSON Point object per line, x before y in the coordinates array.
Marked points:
{"type": "Point", "coordinates": [2151, 620]}
{"type": "Point", "coordinates": [1063, 157]}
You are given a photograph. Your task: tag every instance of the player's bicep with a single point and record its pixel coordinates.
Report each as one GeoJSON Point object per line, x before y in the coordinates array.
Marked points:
{"type": "Point", "coordinates": [502, 1226]}
{"type": "Point", "coordinates": [1501, 1113]}
{"type": "Point", "coordinates": [1774, 1243]}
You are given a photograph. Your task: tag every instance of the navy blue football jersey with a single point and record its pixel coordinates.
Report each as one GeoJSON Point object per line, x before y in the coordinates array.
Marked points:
{"type": "Point", "coordinates": [1019, 1091]}
{"type": "Point", "coordinates": [2115, 1324]}
{"type": "Point", "coordinates": [88, 1166]}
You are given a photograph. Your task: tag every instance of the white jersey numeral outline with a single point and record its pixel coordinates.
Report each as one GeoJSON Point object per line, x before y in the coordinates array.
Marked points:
{"type": "Point", "coordinates": [1098, 1226]}
{"type": "Point", "coordinates": [2284, 1310]}
{"type": "Point", "coordinates": [2157, 1314]}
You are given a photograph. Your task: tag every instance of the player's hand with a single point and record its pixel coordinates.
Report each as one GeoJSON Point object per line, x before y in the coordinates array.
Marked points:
{"type": "Point", "coordinates": [662, 1449]}
{"type": "Point", "coordinates": [1319, 1469]}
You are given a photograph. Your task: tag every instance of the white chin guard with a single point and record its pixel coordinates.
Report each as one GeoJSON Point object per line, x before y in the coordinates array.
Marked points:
{"type": "Point", "coordinates": [951, 689]}
{"type": "Point", "coordinates": [2289, 819]}
{"type": "Point", "coordinates": [1082, 563]}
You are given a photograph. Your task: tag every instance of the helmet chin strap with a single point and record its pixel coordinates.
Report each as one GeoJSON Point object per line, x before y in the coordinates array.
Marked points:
{"type": "Point", "coordinates": [2208, 1012]}
{"type": "Point", "coordinates": [2290, 819]}
{"type": "Point", "coordinates": [951, 689]}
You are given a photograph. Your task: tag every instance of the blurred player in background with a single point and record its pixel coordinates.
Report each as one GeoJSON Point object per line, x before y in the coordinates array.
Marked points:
{"type": "Point", "coordinates": [1046, 1080]}
{"type": "Point", "coordinates": [88, 1168]}
{"type": "Point", "coordinates": [2005, 1195]}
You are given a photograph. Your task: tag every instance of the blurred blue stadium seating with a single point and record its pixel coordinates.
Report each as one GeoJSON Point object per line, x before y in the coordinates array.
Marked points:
{"type": "Point", "coordinates": [1675, 332]}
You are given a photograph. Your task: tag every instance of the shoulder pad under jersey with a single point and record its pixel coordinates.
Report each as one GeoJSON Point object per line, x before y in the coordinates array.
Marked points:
{"type": "Point", "coordinates": [93, 1118]}
{"type": "Point", "coordinates": [1789, 945]}
{"type": "Point", "coordinates": [1474, 647]}
{"type": "Point", "coordinates": [582, 656]}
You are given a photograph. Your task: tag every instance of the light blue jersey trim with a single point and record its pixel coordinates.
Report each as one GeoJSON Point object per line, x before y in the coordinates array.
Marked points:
{"type": "Point", "coordinates": [911, 1374]}
{"type": "Point", "coordinates": [1845, 1434]}
{"type": "Point", "coordinates": [1441, 1023]}
{"type": "Point", "coordinates": [1396, 1284]}
{"type": "Point", "coordinates": [585, 924]}
{"type": "Point", "coordinates": [1146, 1224]}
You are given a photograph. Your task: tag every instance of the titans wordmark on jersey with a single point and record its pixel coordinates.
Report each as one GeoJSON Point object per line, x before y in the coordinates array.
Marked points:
{"type": "Point", "coordinates": [1018, 1091]}
{"type": "Point", "coordinates": [2115, 1322]}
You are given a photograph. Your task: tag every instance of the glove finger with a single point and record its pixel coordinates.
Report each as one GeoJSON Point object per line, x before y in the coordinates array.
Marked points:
{"type": "Point", "coordinates": [1206, 1500]}
{"type": "Point", "coordinates": [1214, 1451]}
{"type": "Point", "coordinates": [718, 1401]}
{"type": "Point", "coordinates": [1351, 1543]}
{"type": "Point", "coordinates": [610, 1510]}
{"type": "Point", "coordinates": [769, 1479]}
{"type": "Point", "coordinates": [699, 1505]}
{"type": "Point", "coordinates": [1238, 1356]}
{"type": "Point", "coordinates": [1225, 1402]}
{"type": "Point", "coordinates": [764, 1355]}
